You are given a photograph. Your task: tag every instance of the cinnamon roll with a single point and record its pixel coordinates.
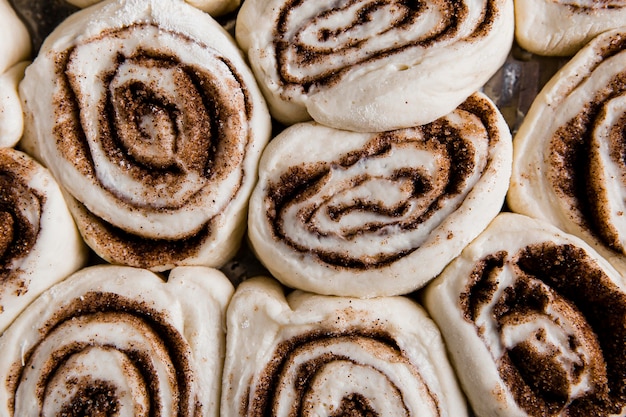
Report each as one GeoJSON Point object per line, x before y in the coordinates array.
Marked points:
{"type": "Point", "coordinates": [11, 115]}
{"type": "Point", "coordinates": [369, 214]}
{"type": "Point", "coordinates": [372, 66]}
{"type": "Point", "coordinates": [313, 355]}
{"type": "Point", "coordinates": [213, 7]}
{"type": "Point", "coordinates": [562, 27]}
{"type": "Point", "coordinates": [39, 242]}
{"type": "Point", "coordinates": [113, 340]}
{"type": "Point", "coordinates": [153, 123]}
{"type": "Point", "coordinates": [534, 322]}
{"type": "Point", "coordinates": [568, 166]}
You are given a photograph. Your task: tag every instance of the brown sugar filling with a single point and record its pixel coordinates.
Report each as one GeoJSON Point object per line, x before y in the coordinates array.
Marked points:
{"type": "Point", "coordinates": [21, 209]}
{"type": "Point", "coordinates": [572, 175]}
{"type": "Point", "coordinates": [535, 378]}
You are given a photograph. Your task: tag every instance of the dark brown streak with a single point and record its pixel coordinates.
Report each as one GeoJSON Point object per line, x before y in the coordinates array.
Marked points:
{"type": "Point", "coordinates": [19, 233]}
{"type": "Point", "coordinates": [569, 148]}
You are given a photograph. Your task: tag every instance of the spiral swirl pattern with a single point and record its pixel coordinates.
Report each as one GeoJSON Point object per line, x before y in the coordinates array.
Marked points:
{"type": "Point", "coordinates": [118, 341]}
{"type": "Point", "coordinates": [39, 243]}
{"type": "Point", "coordinates": [361, 204]}
{"type": "Point", "coordinates": [570, 171]}
{"type": "Point", "coordinates": [155, 132]}
{"type": "Point", "coordinates": [308, 48]}
{"type": "Point", "coordinates": [359, 31]}
{"type": "Point", "coordinates": [549, 315]}
{"type": "Point", "coordinates": [313, 368]}
{"type": "Point", "coordinates": [323, 356]}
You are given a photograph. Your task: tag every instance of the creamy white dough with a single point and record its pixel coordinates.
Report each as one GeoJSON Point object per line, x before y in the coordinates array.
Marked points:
{"type": "Point", "coordinates": [365, 214]}
{"type": "Point", "coordinates": [40, 244]}
{"type": "Point", "coordinates": [372, 66]}
{"type": "Point", "coordinates": [14, 38]}
{"type": "Point", "coordinates": [213, 7]}
{"type": "Point", "coordinates": [382, 352]}
{"type": "Point", "coordinates": [11, 114]}
{"type": "Point", "coordinates": [169, 131]}
{"type": "Point", "coordinates": [562, 27]}
{"type": "Point", "coordinates": [15, 49]}
{"type": "Point", "coordinates": [123, 333]}
{"type": "Point", "coordinates": [527, 300]}
{"type": "Point", "coordinates": [565, 168]}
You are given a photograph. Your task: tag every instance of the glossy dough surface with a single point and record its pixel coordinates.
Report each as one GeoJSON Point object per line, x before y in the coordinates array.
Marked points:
{"type": "Point", "coordinates": [366, 214]}
{"type": "Point", "coordinates": [121, 341]}
{"type": "Point", "coordinates": [372, 66]}
{"type": "Point", "coordinates": [149, 117]}
{"type": "Point", "coordinates": [308, 354]}
{"type": "Point", "coordinates": [534, 322]}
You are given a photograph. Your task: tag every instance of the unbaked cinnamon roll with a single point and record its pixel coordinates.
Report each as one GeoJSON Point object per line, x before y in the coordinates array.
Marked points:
{"type": "Point", "coordinates": [39, 242]}
{"type": "Point", "coordinates": [372, 66]}
{"type": "Point", "coordinates": [118, 341]}
{"type": "Point", "coordinates": [562, 27]}
{"type": "Point", "coordinates": [568, 165]}
{"type": "Point", "coordinates": [149, 117]}
{"type": "Point", "coordinates": [11, 114]}
{"type": "Point", "coordinates": [312, 355]}
{"type": "Point", "coordinates": [534, 322]}
{"type": "Point", "coordinates": [367, 214]}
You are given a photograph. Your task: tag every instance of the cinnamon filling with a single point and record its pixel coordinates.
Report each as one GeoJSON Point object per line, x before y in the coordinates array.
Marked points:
{"type": "Point", "coordinates": [94, 399]}
{"type": "Point", "coordinates": [20, 210]}
{"type": "Point", "coordinates": [561, 287]}
{"type": "Point", "coordinates": [583, 189]}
